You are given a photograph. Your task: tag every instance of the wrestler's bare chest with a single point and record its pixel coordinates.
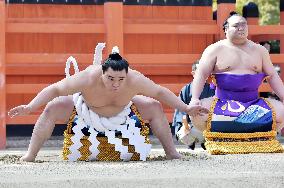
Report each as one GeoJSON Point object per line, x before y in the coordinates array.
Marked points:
{"type": "Point", "coordinates": [238, 61]}
{"type": "Point", "coordinates": [107, 104]}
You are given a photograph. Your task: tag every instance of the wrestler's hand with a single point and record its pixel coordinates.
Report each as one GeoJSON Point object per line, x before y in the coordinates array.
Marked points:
{"type": "Point", "coordinates": [19, 111]}
{"type": "Point", "coordinates": [195, 109]}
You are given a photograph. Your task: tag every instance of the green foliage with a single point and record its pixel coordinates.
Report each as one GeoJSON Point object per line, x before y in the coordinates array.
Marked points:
{"type": "Point", "coordinates": [214, 5]}
{"type": "Point", "coordinates": [269, 14]}
{"type": "Point", "coordinates": [268, 9]}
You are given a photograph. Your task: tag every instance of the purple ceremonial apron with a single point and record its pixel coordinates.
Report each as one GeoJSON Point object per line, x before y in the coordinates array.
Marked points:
{"type": "Point", "coordinates": [239, 109]}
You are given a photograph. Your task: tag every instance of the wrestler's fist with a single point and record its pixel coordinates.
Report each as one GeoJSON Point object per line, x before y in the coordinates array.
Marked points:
{"type": "Point", "coordinates": [19, 111]}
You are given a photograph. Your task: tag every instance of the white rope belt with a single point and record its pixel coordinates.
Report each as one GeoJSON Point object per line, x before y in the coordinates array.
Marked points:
{"type": "Point", "coordinates": [95, 124]}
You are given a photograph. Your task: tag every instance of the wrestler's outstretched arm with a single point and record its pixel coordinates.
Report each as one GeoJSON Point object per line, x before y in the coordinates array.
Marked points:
{"type": "Point", "coordinates": [204, 70]}
{"type": "Point", "coordinates": [67, 86]}
{"type": "Point", "coordinates": [274, 80]}
{"type": "Point", "coordinates": [148, 88]}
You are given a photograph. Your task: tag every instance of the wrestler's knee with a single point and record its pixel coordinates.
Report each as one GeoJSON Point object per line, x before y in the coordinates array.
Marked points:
{"type": "Point", "coordinates": [148, 108]}
{"type": "Point", "coordinates": [280, 113]}
{"type": "Point", "coordinates": [51, 108]}
{"type": "Point", "coordinates": [280, 118]}
{"type": "Point", "coordinates": [57, 108]}
{"type": "Point", "coordinates": [279, 110]}
{"type": "Point", "coordinates": [155, 108]}
{"type": "Point", "coordinates": [155, 105]}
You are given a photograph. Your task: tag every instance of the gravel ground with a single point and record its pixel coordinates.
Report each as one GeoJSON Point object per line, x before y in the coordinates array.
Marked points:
{"type": "Point", "coordinates": [196, 169]}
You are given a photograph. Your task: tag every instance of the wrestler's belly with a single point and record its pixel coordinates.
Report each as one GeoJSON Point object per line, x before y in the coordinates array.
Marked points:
{"type": "Point", "coordinates": [107, 111]}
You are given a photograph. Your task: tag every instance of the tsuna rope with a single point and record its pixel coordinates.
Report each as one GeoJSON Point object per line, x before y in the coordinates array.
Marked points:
{"type": "Point", "coordinates": [98, 56]}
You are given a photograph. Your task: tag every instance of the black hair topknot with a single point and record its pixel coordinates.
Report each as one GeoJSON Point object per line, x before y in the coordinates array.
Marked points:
{"type": "Point", "coordinates": [232, 13]}
{"type": "Point", "coordinates": [115, 62]}
{"type": "Point", "coordinates": [115, 57]}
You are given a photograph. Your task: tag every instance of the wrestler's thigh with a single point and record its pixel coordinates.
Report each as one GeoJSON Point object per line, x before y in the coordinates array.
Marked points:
{"type": "Point", "coordinates": [147, 107]}
{"type": "Point", "coordinates": [279, 109]}
{"type": "Point", "coordinates": [60, 108]}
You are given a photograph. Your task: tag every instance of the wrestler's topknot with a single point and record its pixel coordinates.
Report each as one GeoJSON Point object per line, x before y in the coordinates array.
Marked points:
{"type": "Point", "coordinates": [115, 56]}
{"type": "Point", "coordinates": [115, 62]}
{"type": "Point", "coordinates": [232, 13]}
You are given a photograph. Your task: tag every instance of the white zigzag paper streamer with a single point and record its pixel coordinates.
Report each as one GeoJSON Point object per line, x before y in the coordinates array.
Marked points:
{"type": "Point", "coordinates": [136, 139]}
{"type": "Point", "coordinates": [94, 144]}
{"type": "Point", "coordinates": [124, 155]}
{"type": "Point", "coordinates": [74, 148]}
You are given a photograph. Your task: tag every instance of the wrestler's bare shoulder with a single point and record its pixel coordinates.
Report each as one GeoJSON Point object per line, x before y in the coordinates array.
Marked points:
{"type": "Point", "coordinates": [93, 72]}
{"type": "Point", "coordinates": [135, 76]}
{"type": "Point", "coordinates": [258, 47]}
{"type": "Point", "coordinates": [85, 78]}
{"type": "Point", "coordinates": [221, 44]}
{"type": "Point", "coordinates": [94, 69]}
{"type": "Point", "coordinates": [215, 47]}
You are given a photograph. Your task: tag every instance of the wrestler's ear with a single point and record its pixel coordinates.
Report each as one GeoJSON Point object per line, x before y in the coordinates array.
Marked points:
{"type": "Point", "coordinates": [226, 28]}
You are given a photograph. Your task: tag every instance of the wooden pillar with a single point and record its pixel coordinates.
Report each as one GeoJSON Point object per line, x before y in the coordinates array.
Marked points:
{"type": "Point", "coordinates": [282, 37]}
{"type": "Point", "coordinates": [224, 8]}
{"type": "Point", "coordinates": [113, 20]}
{"type": "Point", "coordinates": [2, 77]}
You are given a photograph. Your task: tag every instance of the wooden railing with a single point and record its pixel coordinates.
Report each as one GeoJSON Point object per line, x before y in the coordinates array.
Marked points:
{"type": "Point", "coordinates": [161, 42]}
